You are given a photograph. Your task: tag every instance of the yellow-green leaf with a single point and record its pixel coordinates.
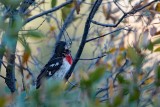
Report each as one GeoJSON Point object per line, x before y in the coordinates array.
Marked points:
{"type": "Point", "coordinates": [158, 7]}
{"type": "Point", "coordinates": [157, 81]}
{"type": "Point", "coordinates": [53, 3]}
{"type": "Point", "coordinates": [35, 34]}
{"type": "Point", "coordinates": [93, 77]}
{"type": "Point", "coordinates": [66, 10]}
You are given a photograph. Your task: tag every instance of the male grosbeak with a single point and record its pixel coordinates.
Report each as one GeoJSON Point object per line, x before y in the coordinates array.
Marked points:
{"type": "Point", "coordinates": [58, 65]}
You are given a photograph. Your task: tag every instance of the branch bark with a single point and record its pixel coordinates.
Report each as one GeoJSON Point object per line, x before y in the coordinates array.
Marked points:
{"type": "Point", "coordinates": [84, 37]}
{"type": "Point", "coordinates": [12, 37]}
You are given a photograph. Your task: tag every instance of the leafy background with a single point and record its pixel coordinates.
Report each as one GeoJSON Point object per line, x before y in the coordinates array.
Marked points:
{"type": "Point", "coordinates": [127, 75]}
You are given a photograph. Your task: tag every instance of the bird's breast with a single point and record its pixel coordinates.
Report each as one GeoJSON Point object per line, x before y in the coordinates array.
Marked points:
{"type": "Point", "coordinates": [60, 74]}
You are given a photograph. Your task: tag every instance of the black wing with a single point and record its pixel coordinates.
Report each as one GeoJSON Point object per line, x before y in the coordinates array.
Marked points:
{"type": "Point", "coordinates": [49, 69]}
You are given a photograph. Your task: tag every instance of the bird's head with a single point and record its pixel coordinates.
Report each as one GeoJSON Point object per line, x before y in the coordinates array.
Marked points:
{"type": "Point", "coordinates": [62, 49]}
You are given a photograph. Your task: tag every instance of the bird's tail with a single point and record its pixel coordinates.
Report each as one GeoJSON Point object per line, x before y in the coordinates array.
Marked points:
{"type": "Point", "coordinates": [40, 78]}
{"type": "Point", "coordinates": [38, 83]}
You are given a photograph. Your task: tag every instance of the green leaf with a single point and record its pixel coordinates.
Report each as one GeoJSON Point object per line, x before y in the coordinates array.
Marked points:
{"type": "Point", "coordinates": [53, 3]}
{"type": "Point", "coordinates": [16, 25]}
{"type": "Point", "coordinates": [157, 41]}
{"type": "Point", "coordinates": [65, 11]}
{"type": "Point", "coordinates": [117, 101]}
{"type": "Point", "coordinates": [157, 49]}
{"type": "Point", "coordinates": [35, 34]}
{"type": "Point", "coordinates": [122, 80]}
{"type": "Point", "coordinates": [93, 77]}
{"type": "Point", "coordinates": [157, 82]}
{"type": "Point", "coordinates": [135, 94]}
{"type": "Point", "coordinates": [132, 54]}
{"type": "Point", "coordinates": [150, 46]}
{"type": "Point", "coordinates": [135, 57]}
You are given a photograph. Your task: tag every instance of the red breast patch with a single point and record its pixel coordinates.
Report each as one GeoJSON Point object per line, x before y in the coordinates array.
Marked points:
{"type": "Point", "coordinates": [69, 59]}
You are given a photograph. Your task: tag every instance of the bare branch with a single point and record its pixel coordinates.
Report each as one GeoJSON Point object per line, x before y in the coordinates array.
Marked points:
{"type": "Point", "coordinates": [48, 11]}
{"type": "Point", "coordinates": [93, 58]}
{"type": "Point", "coordinates": [105, 34]}
{"type": "Point", "coordinates": [3, 77]}
{"type": "Point", "coordinates": [133, 11]}
{"type": "Point", "coordinates": [84, 37]}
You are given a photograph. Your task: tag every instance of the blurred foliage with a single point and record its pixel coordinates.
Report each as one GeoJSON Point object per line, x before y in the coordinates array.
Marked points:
{"type": "Point", "coordinates": [119, 79]}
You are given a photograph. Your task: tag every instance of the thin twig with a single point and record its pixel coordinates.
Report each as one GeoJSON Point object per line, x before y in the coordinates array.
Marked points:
{"type": "Point", "coordinates": [133, 11]}
{"type": "Point", "coordinates": [48, 11]}
{"type": "Point", "coordinates": [3, 77]}
{"type": "Point", "coordinates": [105, 34]}
{"type": "Point", "coordinates": [21, 70]}
{"type": "Point", "coordinates": [93, 58]}
{"type": "Point", "coordinates": [35, 28]}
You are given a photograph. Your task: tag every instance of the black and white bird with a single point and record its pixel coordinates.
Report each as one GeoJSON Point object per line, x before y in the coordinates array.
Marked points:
{"type": "Point", "coordinates": [58, 65]}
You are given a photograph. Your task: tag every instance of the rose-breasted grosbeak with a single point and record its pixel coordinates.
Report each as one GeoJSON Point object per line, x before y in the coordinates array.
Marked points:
{"type": "Point", "coordinates": [58, 65]}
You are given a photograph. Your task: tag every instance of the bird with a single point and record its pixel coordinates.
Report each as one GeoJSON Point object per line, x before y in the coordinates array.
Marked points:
{"type": "Point", "coordinates": [58, 65]}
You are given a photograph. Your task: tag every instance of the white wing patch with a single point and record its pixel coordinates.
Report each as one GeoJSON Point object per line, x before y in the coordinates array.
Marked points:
{"type": "Point", "coordinates": [56, 64]}
{"type": "Point", "coordinates": [50, 73]}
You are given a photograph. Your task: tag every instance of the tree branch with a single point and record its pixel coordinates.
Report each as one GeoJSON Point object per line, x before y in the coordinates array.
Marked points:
{"type": "Point", "coordinates": [93, 58]}
{"type": "Point", "coordinates": [3, 77]}
{"type": "Point", "coordinates": [133, 11]}
{"type": "Point", "coordinates": [84, 37]}
{"type": "Point", "coordinates": [105, 34]}
{"type": "Point", "coordinates": [48, 11]}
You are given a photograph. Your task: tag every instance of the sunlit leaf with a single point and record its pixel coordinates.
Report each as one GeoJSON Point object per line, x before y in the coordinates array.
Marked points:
{"type": "Point", "coordinates": [104, 8]}
{"type": "Point", "coordinates": [53, 3]}
{"type": "Point", "coordinates": [158, 7]}
{"type": "Point", "coordinates": [65, 12]}
{"type": "Point", "coordinates": [52, 28]}
{"type": "Point", "coordinates": [157, 49]}
{"type": "Point", "coordinates": [26, 54]}
{"type": "Point", "coordinates": [112, 50]}
{"type": "Point", "coordinates": [149, 80]}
